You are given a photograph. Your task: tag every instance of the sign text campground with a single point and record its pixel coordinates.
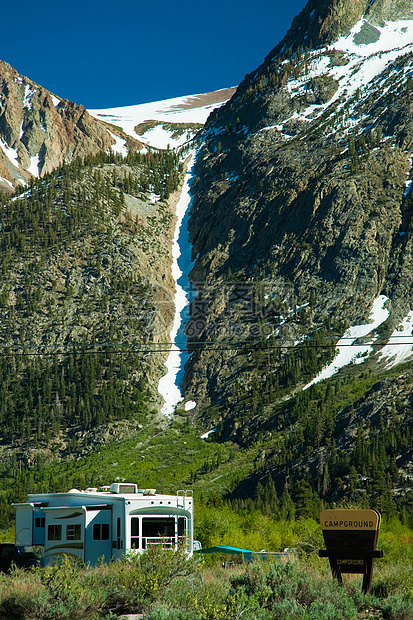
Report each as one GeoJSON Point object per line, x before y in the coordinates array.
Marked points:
{"type": "Point", "coordinates": [349, 520]}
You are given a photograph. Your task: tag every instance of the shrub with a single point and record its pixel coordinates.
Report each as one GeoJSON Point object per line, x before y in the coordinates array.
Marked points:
{"type": "Point", "coordinates": [398, 607]}
{"type": "Point", "coordinates": [165, 613]}
{"type": "Point", "coordinates": [139, 579]}
{"type": "Point", "coordinates": [166, 585]}
{"type": "Point", "coordinates": [57, 593]}
{"type": "Point", "coordinates": [294, 589]}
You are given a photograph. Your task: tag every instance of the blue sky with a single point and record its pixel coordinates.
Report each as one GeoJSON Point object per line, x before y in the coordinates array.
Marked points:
{"type": "Point", "coordinates": [104, 54]}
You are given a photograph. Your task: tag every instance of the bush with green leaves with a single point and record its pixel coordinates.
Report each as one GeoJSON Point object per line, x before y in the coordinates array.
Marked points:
{"type": "Point", "coordinates": [166, 585]}
{"type": "Point", "coordinates": [61, 592]}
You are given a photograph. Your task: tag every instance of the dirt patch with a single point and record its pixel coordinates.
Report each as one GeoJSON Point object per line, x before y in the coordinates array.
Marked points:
{"type": "Point", "coordinates": [199, 101]}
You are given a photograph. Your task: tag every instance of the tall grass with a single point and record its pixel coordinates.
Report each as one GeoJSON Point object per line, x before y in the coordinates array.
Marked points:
{"type": "Point", "coordinates": [160, 585]}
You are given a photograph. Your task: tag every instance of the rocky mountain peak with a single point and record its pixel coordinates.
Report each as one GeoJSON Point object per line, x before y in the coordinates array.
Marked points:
{"type": "Point", "coordinates": [39, 131]}
{"type": "Point", "coordinates": [322, 22]}
{"type": "Point", "coordinates": [380, 11]}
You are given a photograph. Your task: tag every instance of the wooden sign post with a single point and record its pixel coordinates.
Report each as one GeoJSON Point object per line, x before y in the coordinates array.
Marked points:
{"type": "Point", "coordinates": [351, 539]}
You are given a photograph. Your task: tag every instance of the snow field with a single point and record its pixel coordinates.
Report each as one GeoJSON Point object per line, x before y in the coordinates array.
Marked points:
{"type": "Point", "coordinates": [12, 154]}
{"type": "Point", "coordinates": [365, 62]}
{"type": "Point", "coordinates": [346, 351]}
{"type": "Point", "coordinates": [34, 165]}
{"type": "Point", "coordinates": [174, 110]}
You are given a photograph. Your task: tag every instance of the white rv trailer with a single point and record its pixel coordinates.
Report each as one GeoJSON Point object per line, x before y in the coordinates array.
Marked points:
{"type": "Point", "coordinates": [104, 524]}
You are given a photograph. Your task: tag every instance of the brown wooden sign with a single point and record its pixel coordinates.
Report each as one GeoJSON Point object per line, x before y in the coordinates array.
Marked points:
{"type": "Point", "coordinates": [351, 539]}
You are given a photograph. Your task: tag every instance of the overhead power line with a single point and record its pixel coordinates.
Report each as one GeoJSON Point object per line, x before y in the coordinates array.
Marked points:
{"type": "Point", "coordinates": [177, 347]}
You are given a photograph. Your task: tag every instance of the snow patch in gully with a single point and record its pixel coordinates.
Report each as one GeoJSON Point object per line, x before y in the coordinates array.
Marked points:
{"type": "Point", "coordinates": [347, 352]}
{"type": "Point", "coordinates": [181, 266]}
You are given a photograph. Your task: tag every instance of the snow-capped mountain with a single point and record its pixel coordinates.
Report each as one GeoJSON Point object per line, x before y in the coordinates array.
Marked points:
{"type": "Point", "coordinates": [39, 131]}
{"type": "Point", "coordinates": [299, 340]}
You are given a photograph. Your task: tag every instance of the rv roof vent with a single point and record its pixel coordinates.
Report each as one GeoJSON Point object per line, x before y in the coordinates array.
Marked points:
{"type": "Point", "coordinates": [123, 487]}
{"type": "Point", "coordinates": [74, 491]}
{"type": "Point", "coordinates": [149, 492]}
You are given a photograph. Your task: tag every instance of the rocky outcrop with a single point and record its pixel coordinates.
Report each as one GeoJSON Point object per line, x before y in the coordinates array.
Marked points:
{"type": "Point", "coordinates": [39, 131]}
{"type": "Point", "coordinates": [381, 11]}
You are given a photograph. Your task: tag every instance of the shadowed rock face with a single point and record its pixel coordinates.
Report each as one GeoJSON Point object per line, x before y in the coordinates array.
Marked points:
{"type": "Point", "coordinates": [302, 217]}
{"type": "Point", "coordinates": [293, 197]}
{"type": "Point", "coordinates": [39, 131]}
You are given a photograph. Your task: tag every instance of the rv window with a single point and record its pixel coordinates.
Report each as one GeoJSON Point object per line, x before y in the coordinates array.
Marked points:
{"type": "Point", "coordinates": [157, 527]}
{"type": "Point", "coordinates": [73, 531]}
{"type": "Point", "coordinates": [39, 522]}
{"type": "Point", "coordinates": [54, 532]}
{"type": "Point", "coordinates": [134, 532]}
{"type": "Point", "coordinates": [119, 541]}
{"type": "Point", "coordinates": [101, 531]}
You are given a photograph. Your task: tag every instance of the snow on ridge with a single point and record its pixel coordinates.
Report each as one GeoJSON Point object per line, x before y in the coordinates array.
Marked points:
{"type": "Point", "coordinates": [187, 109]}
{"type": "Point", "coordinates": [11, 154]}
{"type": "Point", "coordinates": [34, 165]}
{"type": "Point", "coordinates": [346, 351]}
{"type": "Point", "coordinates": [161, 138]}
{"type": "Point", "coordinates": [119, 146]}
{"type": "Point", "coordinates": [365, 62]}
{"type": "Point", "coordinates": [3, 180]}
{"type": "Point", "coordinates": [368, 60]}
{"type": "Point", "coordinates": [391, 36]}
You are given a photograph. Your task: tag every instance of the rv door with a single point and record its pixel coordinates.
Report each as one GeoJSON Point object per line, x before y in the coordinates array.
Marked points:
{"type": "Point", "coordinates": [24, 525]}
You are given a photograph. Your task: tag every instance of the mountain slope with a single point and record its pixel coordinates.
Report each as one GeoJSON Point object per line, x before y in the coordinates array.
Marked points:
{"type": "Point", "coordinates": [301, 221]}
{"type": "Point", "coordinates": [86, 293]}
{"type": "Point", "coordinates": [39, 131]}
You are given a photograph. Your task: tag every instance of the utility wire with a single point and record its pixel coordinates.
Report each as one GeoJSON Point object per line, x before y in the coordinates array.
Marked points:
{"type": "Point", "coordinates": [168, 347]}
